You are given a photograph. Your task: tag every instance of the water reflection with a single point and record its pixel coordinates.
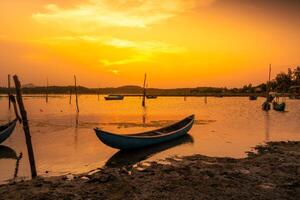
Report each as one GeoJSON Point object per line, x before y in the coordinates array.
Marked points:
{"type": "Point", "coordinates": [7, 153]}
{"type": "Point", "coordinates": [76, 131]}
{"type": "Point", "coordinates": [224, 127]}
{"type": "Point", "coordinates": [144, 120]}
{"type": "Point", "coordinates": [126, 158]}
{"type": "Point", "coordinates": [267, 127]}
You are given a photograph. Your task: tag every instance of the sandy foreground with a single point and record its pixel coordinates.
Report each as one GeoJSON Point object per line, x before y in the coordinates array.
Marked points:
{"type": "Point", "coordinates": [269, 172]}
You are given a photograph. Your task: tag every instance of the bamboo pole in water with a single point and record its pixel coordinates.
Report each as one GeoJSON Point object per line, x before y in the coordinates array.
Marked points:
{"type": "Point", "coordinates": [25, 126]}
{"type": "Point", "coordinates": [8, 82]}
{"type": "Point", "coordinates": [144, 92]}
{"type": "Point", "coordinates": [13, 100]}
{"type": "Point", "coordinates": [76, 94]}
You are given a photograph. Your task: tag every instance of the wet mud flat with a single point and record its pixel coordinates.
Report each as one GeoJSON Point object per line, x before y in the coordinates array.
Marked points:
{"type": "Point", "coordinates": [270, 172]}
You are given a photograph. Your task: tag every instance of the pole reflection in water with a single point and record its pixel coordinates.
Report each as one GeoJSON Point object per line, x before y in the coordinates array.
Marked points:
{"type": "Point", "coordinates": [267, 127]}
{"type": "Point", "coordinates": [8, 153]}
{"type": "Point", "coordinates": [17, 165]}
{"type": "Point", "coordinates": [144, 115]}
{"type": "Point", "coordinates": [76, 131]}
{"type": "Point", "coordinates": [129, 158]}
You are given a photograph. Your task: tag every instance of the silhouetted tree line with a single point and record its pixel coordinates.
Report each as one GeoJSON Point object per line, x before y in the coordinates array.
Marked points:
{"type": "Point", "coordinates": [282, 82]}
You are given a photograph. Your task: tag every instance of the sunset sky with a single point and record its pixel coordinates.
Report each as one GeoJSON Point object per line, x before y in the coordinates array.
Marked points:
{"type": "Point", "coordinates": [178, 43]}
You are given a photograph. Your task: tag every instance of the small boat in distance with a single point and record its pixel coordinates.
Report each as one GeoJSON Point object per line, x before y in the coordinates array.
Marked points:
{"type": "Point", "coordinates": [151, 97]}
{"type": "Point", "coordinates": [6, 130]}
{"type": "Point", "coordinates": [140, 140]}
{"type": "Point", "coordinates": [279, 106]}
{"type": "Point", "coordinates": [114, 97]}
{"type": "Point", "coordinates": [252, 98]}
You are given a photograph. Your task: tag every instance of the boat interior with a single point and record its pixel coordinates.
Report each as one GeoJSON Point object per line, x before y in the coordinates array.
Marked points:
{"type": "Point", "coordinates": [165, 130]}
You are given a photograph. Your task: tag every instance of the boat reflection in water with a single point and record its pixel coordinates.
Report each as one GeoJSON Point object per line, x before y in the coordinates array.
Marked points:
{"type": "Point", "coordinates": [7, 153]}
{"type": "Point", "coordinates": [131, 157]}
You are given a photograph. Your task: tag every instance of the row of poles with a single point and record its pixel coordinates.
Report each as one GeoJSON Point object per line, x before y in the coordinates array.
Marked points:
{"type": "Point", "coordinates": [24, 119]}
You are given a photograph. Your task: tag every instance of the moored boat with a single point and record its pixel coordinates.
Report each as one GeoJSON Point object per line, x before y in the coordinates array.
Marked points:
{"type": "Point", "coordinates": [279, 106]}
{"type": "Point", "coordinates": [6, 130]}
{"type": "Point", "coordinates": [151, 97]}
{"type": "Point", "coordinates": [140, 140]}
{"type": "Point", "coordinates": [252, 98]}
{"type": "Point", "coordinates": [114, 97]}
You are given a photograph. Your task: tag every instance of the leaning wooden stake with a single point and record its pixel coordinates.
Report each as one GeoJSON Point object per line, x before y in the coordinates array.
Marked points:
{"type": "Point", "coordinates": [8, 90]}
{"type": "Point", "coordinates": [25, 126]}
{"type": "Point", "coordinates": [76, 94]}
{"type": "Point", "coordinates": [13, 100]}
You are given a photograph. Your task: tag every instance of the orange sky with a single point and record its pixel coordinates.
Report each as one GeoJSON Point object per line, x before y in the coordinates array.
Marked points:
{"type": "Point", "coordinates": [179, 43]}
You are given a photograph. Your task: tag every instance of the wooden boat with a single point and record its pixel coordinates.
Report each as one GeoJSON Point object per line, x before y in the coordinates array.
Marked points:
{"type": "Point", "coordinates": [252, 98]}
{"type": "Point", "coordinates": [151, 97]}
{"type": "Point", "coordinates": [140, 140]}
{"type": "Point", "coordinates": [266, 106]}
{"type": "Point", "coordinates": [279, 106]}
{"type": "Point", "coordinates": [6, 130]}
{"type": "Point", "coordinates": [114, 97]}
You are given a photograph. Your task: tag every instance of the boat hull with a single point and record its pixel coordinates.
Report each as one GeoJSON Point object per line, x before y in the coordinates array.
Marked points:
{"type": "Point", "coordinates": [127, 142]}
{"type": "Point", "coordinates": [279, 106]}
{"type": "Point", "coordinates": [252, 98]}
{"type": "Point", "coordinates": [6, 130]}
{"type": "Point", "coordinates": [114, 98]}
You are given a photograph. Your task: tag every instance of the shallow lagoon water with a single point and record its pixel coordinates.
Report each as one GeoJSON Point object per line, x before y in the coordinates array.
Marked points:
{"type": "Point", "coordinates": [224, 127]}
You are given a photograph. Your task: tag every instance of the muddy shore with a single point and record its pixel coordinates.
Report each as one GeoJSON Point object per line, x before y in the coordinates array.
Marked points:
{"type": "Point", "coordinates": [269, 172]}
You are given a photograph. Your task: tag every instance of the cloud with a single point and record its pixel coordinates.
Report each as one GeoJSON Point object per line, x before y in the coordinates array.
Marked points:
{"type": "Point", "coordinates": [135, 59]}
{"type": "Point", "coordinates": [117, 13]}
{"type": "Point", "coordinates": [139, 51]}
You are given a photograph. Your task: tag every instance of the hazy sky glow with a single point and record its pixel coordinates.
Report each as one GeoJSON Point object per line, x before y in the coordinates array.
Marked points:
{"type": "Point", "coordinates": [179, 43]}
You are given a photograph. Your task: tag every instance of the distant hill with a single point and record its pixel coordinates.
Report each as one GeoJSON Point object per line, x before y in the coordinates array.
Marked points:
{"type": "Point", "coordinates": [29, 85]}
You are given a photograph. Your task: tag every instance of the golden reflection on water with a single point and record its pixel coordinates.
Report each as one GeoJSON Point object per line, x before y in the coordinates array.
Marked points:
{"type": "Point", "coordinates": [64, 142]}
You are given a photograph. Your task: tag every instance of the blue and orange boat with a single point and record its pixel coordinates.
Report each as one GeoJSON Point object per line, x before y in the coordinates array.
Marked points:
{"type": "Point", "coordinates": [140, 140]}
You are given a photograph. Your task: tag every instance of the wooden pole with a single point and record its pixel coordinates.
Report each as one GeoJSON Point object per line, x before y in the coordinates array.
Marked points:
{"type": "Point", "coordinates": [76, 94]}
{"type": "Point", "coordinates": [47, 91]}
{"type": "Point", "coordinates": [8, 77]}
{"type": "Point", "coordinates": [144, 92]}
{"type": "Point", "coordinates": [98, 93]}
{"type": "Point", "coordinates": [25, 127]}
{"type": "Point", "coordinates": [13, 100]}
{"type": "Point", "coordinates": [268, 85]}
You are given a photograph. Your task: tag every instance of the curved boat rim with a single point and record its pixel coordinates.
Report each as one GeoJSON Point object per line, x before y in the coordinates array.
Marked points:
{"type": "Point", "coordinates": [153, 136]}
{"type": "Point", "coordinates": [8, 125]}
